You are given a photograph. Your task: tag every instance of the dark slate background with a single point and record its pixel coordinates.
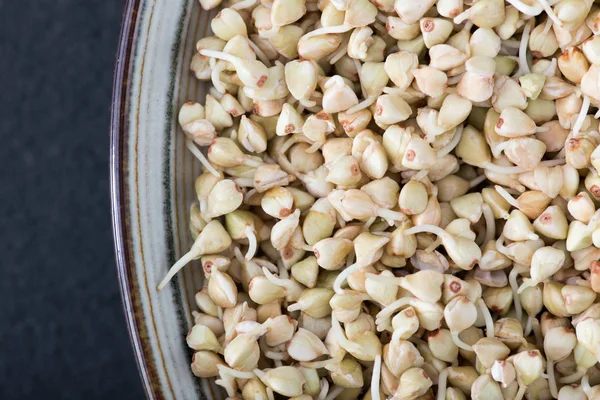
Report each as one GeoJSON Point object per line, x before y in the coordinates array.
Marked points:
{"type": "Point", "coordinates": [62, 331]}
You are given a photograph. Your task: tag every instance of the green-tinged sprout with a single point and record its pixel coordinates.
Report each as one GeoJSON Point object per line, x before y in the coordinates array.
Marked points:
{"type": "Point", "coordinates": [474, 150]}
{"type": "Point", "coordinates": [510, 392]}
{"type": "Point", "coordinates": [368, 346]}
{"type": "Point", "coordinates": [293, 289]}
{"type": "Point", "coordinates": [508, 93]}
{"type": "Point", "coordinates": [505, 65]}
{"type": "Point", "coordinates": [496, 202]}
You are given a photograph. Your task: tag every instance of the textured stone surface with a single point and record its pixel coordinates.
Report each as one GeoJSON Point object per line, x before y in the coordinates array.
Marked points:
{"type": "Point", "coordinates": [62, 331]}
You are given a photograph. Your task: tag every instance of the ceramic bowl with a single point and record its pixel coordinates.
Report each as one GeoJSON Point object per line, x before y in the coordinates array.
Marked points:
{"type": "Point", "coordinates": [152, 178]}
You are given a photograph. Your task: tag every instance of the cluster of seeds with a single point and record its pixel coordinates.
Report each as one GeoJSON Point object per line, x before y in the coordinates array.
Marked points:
{"type": "Point", "coordinates": [399, 199]}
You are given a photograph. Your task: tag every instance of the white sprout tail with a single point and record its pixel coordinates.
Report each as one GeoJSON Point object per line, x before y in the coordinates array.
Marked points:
{"type": "Point", "coordinates": [182, 262]}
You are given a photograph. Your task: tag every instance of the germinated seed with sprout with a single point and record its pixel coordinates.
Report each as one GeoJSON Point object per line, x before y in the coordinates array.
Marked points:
{"type": "Point", "coordinates": [399, 199]}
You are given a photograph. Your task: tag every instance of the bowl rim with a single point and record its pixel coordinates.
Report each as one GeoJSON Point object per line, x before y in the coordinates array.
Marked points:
{"type": "Point", "coordinates": [118, 196]}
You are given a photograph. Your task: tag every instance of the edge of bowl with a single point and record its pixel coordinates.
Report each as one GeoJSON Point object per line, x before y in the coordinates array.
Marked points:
{"type": "Point", "coordinates": [117, 195]}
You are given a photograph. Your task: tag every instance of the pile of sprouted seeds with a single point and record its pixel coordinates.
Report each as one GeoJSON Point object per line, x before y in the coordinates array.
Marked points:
{"type": "Point", "coordinates": [399, 199]}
